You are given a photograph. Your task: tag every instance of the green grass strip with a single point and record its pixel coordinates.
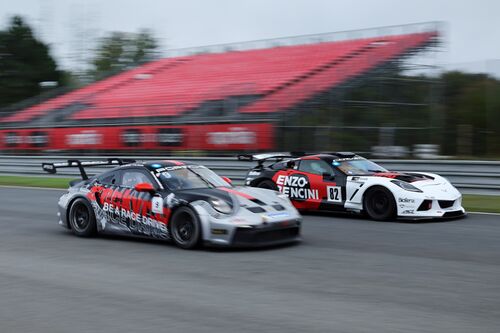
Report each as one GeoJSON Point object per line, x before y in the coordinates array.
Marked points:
{"type": "Point", "coordinates": [50, 182]}
{"type": "Point", "coordinates": [481, 203]}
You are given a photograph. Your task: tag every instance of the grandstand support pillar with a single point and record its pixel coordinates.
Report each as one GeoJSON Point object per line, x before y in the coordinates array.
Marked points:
{"type": "Point", "coordinates": [279, 130]}
{"type": "Point", "coordinates": [336, 119]}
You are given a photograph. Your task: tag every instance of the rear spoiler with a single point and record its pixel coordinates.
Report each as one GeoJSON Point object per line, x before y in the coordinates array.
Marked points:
{"type": "Point", "coordinates": [264, 157]}
{"type": "Point", "coordinates": [261, 158]}
{"type": "Point", "coordinates": [52, 167]}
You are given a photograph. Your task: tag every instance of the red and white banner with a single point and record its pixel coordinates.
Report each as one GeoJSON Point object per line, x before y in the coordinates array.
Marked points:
{"type": "Point", "coordinates": [183, 137]}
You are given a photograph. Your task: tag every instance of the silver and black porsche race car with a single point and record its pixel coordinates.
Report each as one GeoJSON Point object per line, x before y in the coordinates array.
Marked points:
{"type": "Point", "coordinates": [169, 200]}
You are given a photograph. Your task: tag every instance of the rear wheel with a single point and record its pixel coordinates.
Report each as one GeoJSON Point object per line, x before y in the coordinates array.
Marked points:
{"type": "Point", "coordinates": [268, 184]}
{"type": "Point", "coordinates": [82, 218]}
{"type": "Point", "coordinates": [379, 204]}
{"type": "Point", "coordinates": [185, 228]}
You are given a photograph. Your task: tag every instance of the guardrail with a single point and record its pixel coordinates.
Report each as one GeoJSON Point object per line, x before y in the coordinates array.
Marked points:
{"type": "Point", "coordinates": [478, 177]}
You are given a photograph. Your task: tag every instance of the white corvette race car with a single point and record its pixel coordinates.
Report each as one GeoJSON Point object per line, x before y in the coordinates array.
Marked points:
{"type": "Point", "coordinates": [348, 182]}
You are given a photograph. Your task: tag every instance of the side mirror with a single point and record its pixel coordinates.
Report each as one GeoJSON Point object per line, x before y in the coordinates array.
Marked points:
{"type": "Point", "coordinates": [228, 180]}
{"type": "Point", "coordinates": [144, 187]}
{"type": "Point", "coordinates": [328, 175]}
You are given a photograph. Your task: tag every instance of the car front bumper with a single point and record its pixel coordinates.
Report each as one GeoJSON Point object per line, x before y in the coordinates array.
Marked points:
{"type": "Point", "coordinates": [253, 235]}
{"type": "Point", "coordinates": [431, 208]}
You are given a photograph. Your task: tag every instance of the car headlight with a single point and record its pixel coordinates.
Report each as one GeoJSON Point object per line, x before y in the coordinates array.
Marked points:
{"type": "Point", "coordinates": [405, 186]}
{"type": "Point", "coordinates": [220, 205]}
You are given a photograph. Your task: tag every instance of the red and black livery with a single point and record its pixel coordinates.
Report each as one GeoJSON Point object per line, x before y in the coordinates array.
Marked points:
{"type": "Point", "coordinates": [344, 181]}
{"type": "Point", "coordinates": [310, 181]}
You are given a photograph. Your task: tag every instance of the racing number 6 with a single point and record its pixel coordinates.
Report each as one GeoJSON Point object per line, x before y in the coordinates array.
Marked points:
{"type": "Point", "coordinates": [334, 193]}
{"type": "Point", "coordinates": [157, 205]}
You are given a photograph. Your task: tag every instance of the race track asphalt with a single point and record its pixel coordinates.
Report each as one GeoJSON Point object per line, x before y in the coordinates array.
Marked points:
{"type": "Point", "coordinates": [348, 275]}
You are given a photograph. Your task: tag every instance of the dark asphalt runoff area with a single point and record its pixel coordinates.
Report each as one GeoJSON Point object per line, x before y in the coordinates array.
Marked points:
{"type": "Point", "coordinates": [348, 275]}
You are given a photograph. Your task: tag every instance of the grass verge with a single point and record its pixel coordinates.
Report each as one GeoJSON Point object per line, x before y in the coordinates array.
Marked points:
{"type": "Point", "coordinates": [471, 202]}
{"type": "Point", "coordinates": [50, 182]}
{"type": "Point", "coordinates": [481, 203]}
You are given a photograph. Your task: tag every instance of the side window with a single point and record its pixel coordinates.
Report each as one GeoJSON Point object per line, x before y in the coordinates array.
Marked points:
{"type": "Point", "coordinates": [317, 167]}
{"type": "Point", "coordinates": [287, 164]}
{"type": "Point", "coordinates": [108, 178]}
{"type": "Point", "coordinates": [279, 165]}
{"type": "Point", "coordinates": [132, 177]}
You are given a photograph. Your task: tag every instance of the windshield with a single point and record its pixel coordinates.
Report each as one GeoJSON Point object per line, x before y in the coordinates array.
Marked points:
{"type": "Point", "coordinates": [190, 177]}
{"type": "Point", "coordinates": [358, 167]}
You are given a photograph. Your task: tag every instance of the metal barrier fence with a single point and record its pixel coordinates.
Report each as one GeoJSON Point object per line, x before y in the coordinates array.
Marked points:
{"type": "Point", "coordinates": [478, 177]}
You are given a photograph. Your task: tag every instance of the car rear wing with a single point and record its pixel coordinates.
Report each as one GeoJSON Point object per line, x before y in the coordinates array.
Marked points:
{"type": "Point", "coordinates": [52, 167]}
{"type": "Point", "coordinates": [261, 158]}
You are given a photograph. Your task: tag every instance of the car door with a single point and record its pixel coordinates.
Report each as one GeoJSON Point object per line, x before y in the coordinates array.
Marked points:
{"type": "Point", "coordinates": [102, 197]}
{"type": "Point", "coordinates": [320, 190]}
{"type": "Point", "coordinates": [142, 213]}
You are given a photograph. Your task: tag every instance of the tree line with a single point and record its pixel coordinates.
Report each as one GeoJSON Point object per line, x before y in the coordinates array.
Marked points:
{"type": "Point", "coordinates": [28, 69]}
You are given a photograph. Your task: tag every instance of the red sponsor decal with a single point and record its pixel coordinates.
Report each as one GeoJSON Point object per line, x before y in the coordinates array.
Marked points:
{"type": "Point", "coordinates": [304, 190]}
{"type": "Point", "coordinates": [127, 199]}
{"type": "Point", "coordinates": [391, 175]}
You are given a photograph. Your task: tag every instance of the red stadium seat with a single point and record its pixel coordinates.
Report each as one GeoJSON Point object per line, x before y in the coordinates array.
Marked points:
{"type": "Point", "coordinates": [278, 77]}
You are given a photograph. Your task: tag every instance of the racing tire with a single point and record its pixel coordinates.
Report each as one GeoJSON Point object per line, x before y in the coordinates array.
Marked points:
{"type": "Point", "coordinates": [379, 204]}
{"type": "Point", "coordinates": [82, 218]}
{"type": "Point", "coordinates": [185, 228]}
{"type": "Point", "coordinates": [268, 184]}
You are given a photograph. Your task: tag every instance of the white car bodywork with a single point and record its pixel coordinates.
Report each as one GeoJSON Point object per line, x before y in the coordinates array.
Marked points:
{"type": "Point", "coordinates": [442, 196]}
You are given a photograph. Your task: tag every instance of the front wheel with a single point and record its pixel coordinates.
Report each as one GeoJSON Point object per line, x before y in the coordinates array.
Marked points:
{"type": "Point", "coordinates": [82, 218]}
{"type": "Point", "coordinates": [379, 204]}
{"type": "Point", "coordinates": [185, 228]}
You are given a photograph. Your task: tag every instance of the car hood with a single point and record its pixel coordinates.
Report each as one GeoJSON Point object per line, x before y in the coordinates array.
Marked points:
{"type": "Point", "coordinates": [432, 185]}
{"type": "Point", "coordinates": [408, 177]}
{"type": "Point", "coordinates": [202, 194]}
{"type": "Point", "coordinates": [245, 196]}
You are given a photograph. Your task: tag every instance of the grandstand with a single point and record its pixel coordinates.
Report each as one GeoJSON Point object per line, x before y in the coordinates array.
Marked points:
{"type": "Point", "coordinates": [235, 87]}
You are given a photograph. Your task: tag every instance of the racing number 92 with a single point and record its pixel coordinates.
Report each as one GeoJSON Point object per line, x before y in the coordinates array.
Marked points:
{"type": "Point", "coordinates": [334, 193]}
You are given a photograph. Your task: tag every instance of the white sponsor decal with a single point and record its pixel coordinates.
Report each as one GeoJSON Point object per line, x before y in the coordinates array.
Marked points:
{"type": "Point", "coordinates": [334, 193]}
{"type": "Point", "coordinates": [235, 135]}
{"type": "Point", "coordinates": [177, 167]}
{"type": "Point", "coordinates": [295, 187]}
{"type": "Point", "coordinates": [291, 181]}
{"type": "Point", "coordinates": [157, 205]}
{"type": "Point", "coordinates": [141, 223]}
{"type": "Point", "coordinates": [34, 138]}
{"type": "Point", "coordinates": [84, 138]}
{"type": "Point", "coordinates": [171, 200]}
{"type": "Point", "coordinates": [138, 137]}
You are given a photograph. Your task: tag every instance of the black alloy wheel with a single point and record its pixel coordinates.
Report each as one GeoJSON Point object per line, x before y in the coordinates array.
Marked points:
{"type": "Point", "coordinates": [379, 204]}
{"type": "Point", "coordinates": [185, 228]}
{"type": "Point", "coordinates": [82, 218]}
